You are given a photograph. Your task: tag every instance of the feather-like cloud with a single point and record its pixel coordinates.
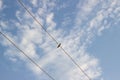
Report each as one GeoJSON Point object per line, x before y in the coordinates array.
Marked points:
{"type": "Point", "coordinates": [32, 39]}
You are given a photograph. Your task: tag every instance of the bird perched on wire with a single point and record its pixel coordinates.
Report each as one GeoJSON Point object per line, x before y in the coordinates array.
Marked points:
{"type": "Point", "coordinates": [59, 45]}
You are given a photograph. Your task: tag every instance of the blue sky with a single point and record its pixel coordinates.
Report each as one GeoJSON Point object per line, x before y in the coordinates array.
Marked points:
{"type": "Point", "coordinates": [87, 29]}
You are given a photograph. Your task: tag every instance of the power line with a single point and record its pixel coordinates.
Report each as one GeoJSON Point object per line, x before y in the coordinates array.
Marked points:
{"type": "Point", "coordinates": [21, 3]}
{"type": "Point", "coordinates": [75, 63]}
{"type": "Point", "coordinates": [27, 56]}
{"type": "Point", "coordinates": [37, 20]}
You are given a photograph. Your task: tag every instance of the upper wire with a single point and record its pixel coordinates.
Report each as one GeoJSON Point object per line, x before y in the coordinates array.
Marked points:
{"type": "Point", "coordinates": [21, 3]}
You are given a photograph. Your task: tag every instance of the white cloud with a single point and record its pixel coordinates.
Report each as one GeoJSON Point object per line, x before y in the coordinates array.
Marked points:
{"type": "Point", "coordinates": [34, 2]}
{"type": "Point", "coordinates": [62, 6]}
{"type": "Point", "coordinates": [49, 21]}
{"type": "Point", "coordinates": [66, 21]}
{"type": "Point", "coordinates": [1, 4]}
{"type": "Point", "coordinates": [39, 46]}
{"type": "Point", "coordinates": [30, 38]}
{"type": "Point", "coordinates": [84, 10]}
{"type": "Point", "coordinates": [13, 59]}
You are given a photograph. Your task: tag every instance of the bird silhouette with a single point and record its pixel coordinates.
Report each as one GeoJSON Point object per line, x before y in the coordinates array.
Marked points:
{"type": "Point", "coordinates": [59, 45]}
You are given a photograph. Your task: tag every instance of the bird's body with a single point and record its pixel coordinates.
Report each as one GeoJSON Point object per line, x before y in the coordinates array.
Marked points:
{"type": "Point", "coordinates": [59, 45]}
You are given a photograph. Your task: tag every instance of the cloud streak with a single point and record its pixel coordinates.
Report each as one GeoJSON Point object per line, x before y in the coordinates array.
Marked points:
{"type": "Point", "coordinates": [1, 4]}
{"type": "Point", "coordinates": [39, 46]}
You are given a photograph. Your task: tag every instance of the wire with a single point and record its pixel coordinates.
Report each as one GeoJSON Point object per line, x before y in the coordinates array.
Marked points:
{"type": "Point", "coordinates": [75, 63]}
{"type": "Point", "coordinates": [26, 55]}
{"type": "Point", "coordinates": [21, 3]}
{"type": "Point", "coordinates": [37, 20]}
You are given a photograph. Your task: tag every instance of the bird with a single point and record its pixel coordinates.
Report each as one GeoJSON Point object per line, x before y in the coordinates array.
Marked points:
{"type": "Point", "coordinates": [59, 45]}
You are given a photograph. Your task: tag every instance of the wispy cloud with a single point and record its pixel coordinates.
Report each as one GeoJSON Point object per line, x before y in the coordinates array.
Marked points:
{"type": "Point", "coordinates": [1, 4]}
{"type": "Point", "coordinates": [39, 46]}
